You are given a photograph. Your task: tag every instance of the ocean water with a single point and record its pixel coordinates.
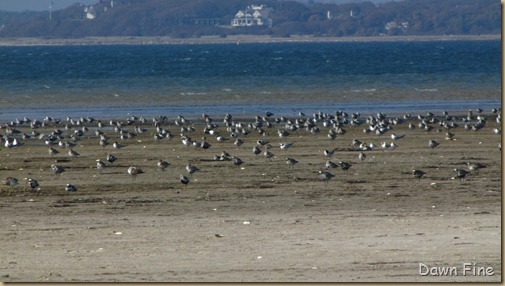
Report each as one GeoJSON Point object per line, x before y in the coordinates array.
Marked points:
{"type": "Point", "coordinates": [114, 81]}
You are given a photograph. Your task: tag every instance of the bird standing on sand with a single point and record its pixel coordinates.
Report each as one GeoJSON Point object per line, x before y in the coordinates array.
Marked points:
{"type": "Point", "coordinates": [461, 174]}
{"type": "Point", "coordinates": [331, 165]}
{"type": "Point", "coordinates": [325, 176]}
{"type": "Point", "coordinates": [134, 171]}
{"type": "Point", "coordinates": [33, 183]}
{"type": "Point", "coordinates": [285, 146]}
{"type": "Point", "coordinates": [362, 156]}
{"type": "Point", "coordinates": [191, 169]}
{"type": "Point", "coordinates": [185, 180]}
{"type": "Point", "coordinates": [291, 161]}
{"type": "Point", "coordinates": [57, 169]}
{"type": "Point", "coordinates": [163, 164]}
{"type": "Point", "coordinates": [53, 151]}
{"type": "Point", "coordinates": [418, 174]}
{"type": "Point", "coordinates": [329, 152]}
{"type": "Point", "coordinates": [345, 165]}
{"type": "Point", "coordinates": [111, 158]}
{"type": "Point", "coordinates": [73, 153]}
{"type": "Point", "coordinates": [432, 144]}
{"type": "Point", "coordinates": [70, 188]}
{"type": "Point", "coordinates": [100, 165]}
{"type": "Point", "coordinates": [237, 161]}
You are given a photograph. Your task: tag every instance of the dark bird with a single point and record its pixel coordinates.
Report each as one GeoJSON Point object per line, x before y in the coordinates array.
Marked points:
{"type": "Point", "coordinates": [70, 188]}
{"type": "Point", "coordinates": [237, 161]}
{"type": "Point", "coordinates": [10, 181]}
{"type": "Point", "coordinates": [53, 151]}
{"type": "Point", "coordinates": [191, 169]}
{"type": "Point", "coordinates": [331, 165]}
{"type": "Point", "coordinates": [33, 183]}
{"type": "Point", "coordinates": [185, 180]}
{"type": "Point", "coordinates": [57, 169]}
{"type": "Point", "coordinates": [134, 171]}
{"type": "Point", "coordinates": [461, 174]}
{"type": "Point", "coordinates": [344, 165]}
{"type": "Point", "coordinates": [111, 158]}
{"type": "Point", "coordinates": [100, 165]}
{"type": "Point", "coordinates": [325, 176]}
{"type": "Point", "coordinates": [291, 161]}
{"type": "Point", "coordinates": [163, 164]}
{"type": "Point", "coordinates": [362, 156]}
{"type": "Point", "coordinates": [418, 174]}
{"type": "Point", "coordinates": [433, 144]}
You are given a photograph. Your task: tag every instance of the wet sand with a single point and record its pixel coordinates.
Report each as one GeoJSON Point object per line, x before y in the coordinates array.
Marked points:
{"type": "Point", "coordinates": [263, 221]}
{"type": "Point", "coordinates": [233, 39]}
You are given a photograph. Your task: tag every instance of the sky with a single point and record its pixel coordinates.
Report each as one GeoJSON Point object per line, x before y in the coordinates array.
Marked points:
{"type": "Point", "coordinates": [43, 5]}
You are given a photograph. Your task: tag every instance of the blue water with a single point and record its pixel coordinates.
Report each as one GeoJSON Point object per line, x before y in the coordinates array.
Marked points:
{"type": "Point", "coordinates": [283, 78]}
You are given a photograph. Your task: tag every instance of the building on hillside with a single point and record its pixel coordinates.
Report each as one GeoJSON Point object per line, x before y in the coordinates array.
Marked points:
{"type": "Point", "coordinates": [253, 15]}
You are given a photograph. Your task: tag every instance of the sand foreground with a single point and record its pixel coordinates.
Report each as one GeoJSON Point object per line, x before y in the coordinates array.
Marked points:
{"type": "Point", "coordinates": [262, 221]}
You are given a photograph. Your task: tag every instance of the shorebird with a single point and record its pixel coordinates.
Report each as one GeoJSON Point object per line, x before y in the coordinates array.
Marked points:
{"type": "Point", "coordinates": [261, 142]}
{"type": "Point", "coordinates": [163, 164]}
{"type": "Point", "coordinates": [329, 152]}
{"type": "Point", "coordinates": [331, 165]}
{"type": "Point", "coordinates": [292, 162]}
{"type": "Point", "coordinates": [117, 145]}
{"type": "Point", "coordinates": [100, 165]}
{"type": "Point", "coordinates": [256, 150]}
{"type": "Point", "coordinates": [285, 146]}
{"type": "Point", "coordinates": [53, 151]}
{"type": "Point", "coordinates": [191, 169]}
{"type": "Point", "coordinates": [238, 142]}
{"type": "Point", "coordinates": [461, 174]}
{"type": "Point", "coordinates": [475, 166]}
{"type": "Point", "coordinates": [396, 137]}
{"type": "Point", "coordinates": [344, 165]}
{"type": "Point", "coordinates": [268, 154]}
{"type": "Point", "coordinates": [57, 169]}
{"type": "Point", "coordinates": [432, 144]}
{"type": "Point", "coordinates": [418, 174]}
{"type": "Point", "coordinates": [325, 176]}
{"type": "Point", "coordinates": [237, 161]}
{"type": "Point", "coordinates": [73, 153]}
{"type": "Point", "coordinates": [185, 180]}
{"type": "Point", "coordinates": [33, 183]}
{"type": "Point", "coordinates": [111, 158]}
{"type": "Point", "coordinates": [134, 171]}
{"type": "Point", "coordinates": [10, 181]}
{"type": "Point", "coordinates": [70, 188]}
{"type": "Point", "coordinates": [362, 156]}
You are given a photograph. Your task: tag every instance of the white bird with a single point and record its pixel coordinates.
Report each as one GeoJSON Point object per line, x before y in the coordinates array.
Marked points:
{"type": "Point", "coordinates": [285, 146]}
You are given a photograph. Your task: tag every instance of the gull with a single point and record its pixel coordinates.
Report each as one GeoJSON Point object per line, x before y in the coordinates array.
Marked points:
{"type": "Point", "coordinates": [331, 165]}
{"type": "Point", "coordinates": [325, 176]}
{"type": "Point", "coordinates": [73, 153]}
{"type": "Point", "coordinates": [70, 188]}
{"type": "Point", "coordinates": [432, 144]}
{"type": "Point", "coordinates": [191, 169]}
{"type": "Point", "coordinates": [396, 137]}
{"type": "Point", "coordinates": [449, 136]}
{"type": "Point", "coordinates": [163, 164]}
{"type": "Point", "coordinates": [261, 142]}
{"type": "Point", "coordinates": [418, 174]}
{"type": "Point", "coordinates": [100, 165]}
{"type": "Point", "coordinates": [117, 145]}
{"type": "Point", "coordinates": [134, 171]}
{"type": "Point", "coordinates": [329, 152]}
{"type": "Point", "coordinates": [285, 146]}
{"type": "Point", "coordinates": [268, 154]}
{"type": "Point", "coordinates": [238, 142]}
{"type": "Point", "coordinates": [57, 169]}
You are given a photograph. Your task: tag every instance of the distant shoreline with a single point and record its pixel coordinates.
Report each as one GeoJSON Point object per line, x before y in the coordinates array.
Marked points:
{"type": "Point", "coordinates": [236, 39]}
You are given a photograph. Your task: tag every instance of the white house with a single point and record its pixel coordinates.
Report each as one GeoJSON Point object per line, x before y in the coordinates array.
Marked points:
{"type": "Point", "coordinates": [254, 15]}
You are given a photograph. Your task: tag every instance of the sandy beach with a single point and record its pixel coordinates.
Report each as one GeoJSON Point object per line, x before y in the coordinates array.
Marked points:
{"type": "Point", "coordinates": [234, 39]}
{"type": "Point", "coordinates": [262, 221]}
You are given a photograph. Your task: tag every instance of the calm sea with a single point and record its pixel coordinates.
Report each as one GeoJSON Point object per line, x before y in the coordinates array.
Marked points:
{"type": "Point", "coordinates": [284, 78]}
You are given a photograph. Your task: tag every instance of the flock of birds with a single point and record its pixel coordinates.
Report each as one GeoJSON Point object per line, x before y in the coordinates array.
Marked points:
{"type": "Point", "coordinates": [58, 140]}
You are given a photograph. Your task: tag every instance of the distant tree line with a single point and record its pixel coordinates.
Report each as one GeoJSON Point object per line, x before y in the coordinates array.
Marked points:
{"type": "Point", "coordinates": [183, 19]}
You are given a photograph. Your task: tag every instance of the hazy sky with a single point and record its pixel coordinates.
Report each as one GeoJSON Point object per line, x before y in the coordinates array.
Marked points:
{"type": "Point", "coordinates": [41, 5]}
